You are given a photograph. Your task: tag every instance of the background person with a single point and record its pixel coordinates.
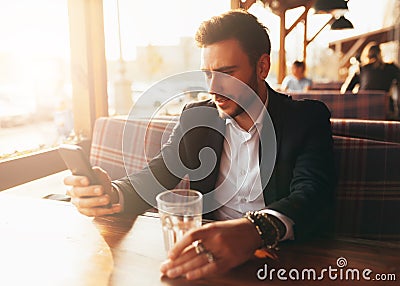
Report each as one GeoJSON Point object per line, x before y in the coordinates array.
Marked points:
{"type": "Point", "coordinates": [375, 75]}
{"type": "Point", "coordinates": [297, 81]}
{"type": "Point", "coordinates": [289, 205]}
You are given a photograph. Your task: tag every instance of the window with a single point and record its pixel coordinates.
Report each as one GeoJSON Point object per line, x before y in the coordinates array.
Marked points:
{"type": "Point", "coordinates": [35, 85]}
{"type": "Point", "coordinates": [156, 40]}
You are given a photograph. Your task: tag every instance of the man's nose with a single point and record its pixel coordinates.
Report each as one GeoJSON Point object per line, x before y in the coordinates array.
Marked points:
{"type": "Point", "coordinates": [215, 84]}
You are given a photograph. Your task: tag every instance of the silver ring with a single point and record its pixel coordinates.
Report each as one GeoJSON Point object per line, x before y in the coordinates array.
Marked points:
{"type": "Point", "coordinates": [198, 247]}
{"type": "Point", "coordinates": [210, 257]}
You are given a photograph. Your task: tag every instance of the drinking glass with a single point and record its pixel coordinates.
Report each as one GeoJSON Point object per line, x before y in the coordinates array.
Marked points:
{"type": "Point", "coordinates": [180, 211]}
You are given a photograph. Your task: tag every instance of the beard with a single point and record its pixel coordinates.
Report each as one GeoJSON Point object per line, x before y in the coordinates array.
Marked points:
{"type": "Point", "coordinates": [241, 104]}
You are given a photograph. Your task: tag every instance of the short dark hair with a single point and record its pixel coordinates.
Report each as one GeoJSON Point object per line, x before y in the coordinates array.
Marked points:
{"type": "Point", "coordinates": [299, 64]}
{"type": "Point", "coordinates": [236, 24]}
{"type": "Point", "coordinates": [374, 52]}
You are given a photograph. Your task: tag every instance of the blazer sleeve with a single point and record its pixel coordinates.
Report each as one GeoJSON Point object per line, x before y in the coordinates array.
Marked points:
{"type": "Point", "coordinates": [140, 188]}
{"type": "Point", "coordinates": [313, 179]}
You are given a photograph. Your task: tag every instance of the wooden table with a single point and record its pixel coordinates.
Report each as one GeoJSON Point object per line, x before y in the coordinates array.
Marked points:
{"type": "Point", "coordinates": [45, 242]}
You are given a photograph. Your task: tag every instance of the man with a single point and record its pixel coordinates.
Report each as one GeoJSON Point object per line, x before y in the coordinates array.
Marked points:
{"type": "Point", "coordinates": [374, 75]}
{"type": "Point", "coordinates": [291, 202]}
{"type": "Point", "coordinates": [297, 81]}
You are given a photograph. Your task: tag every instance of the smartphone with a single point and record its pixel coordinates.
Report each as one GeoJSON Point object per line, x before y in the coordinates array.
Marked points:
{"type": "Point", "coordinates": [78, 162]}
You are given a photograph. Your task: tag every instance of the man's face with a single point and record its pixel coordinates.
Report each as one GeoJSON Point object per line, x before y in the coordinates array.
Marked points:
{"type": "Point", "coordinates": [229, 74]}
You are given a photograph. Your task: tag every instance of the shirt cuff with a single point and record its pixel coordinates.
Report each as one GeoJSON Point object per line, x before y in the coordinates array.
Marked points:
{"type": "Point", "coordinates": [289, 235]}
{"type": "Point", "coordinates": [120, 195]}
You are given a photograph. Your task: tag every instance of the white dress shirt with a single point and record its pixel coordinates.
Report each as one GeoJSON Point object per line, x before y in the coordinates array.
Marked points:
{"type": "Point", "coordinates": [238, 187]}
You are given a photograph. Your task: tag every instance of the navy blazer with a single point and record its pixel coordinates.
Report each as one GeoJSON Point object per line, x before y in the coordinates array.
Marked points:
{"type": "Point", "coordinates": [303, 177]}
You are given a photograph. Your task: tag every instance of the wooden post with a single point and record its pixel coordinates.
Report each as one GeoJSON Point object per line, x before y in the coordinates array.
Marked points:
{"type": "Point", "coordinates": [305, 38]}
{"type": "Point", "coordinates": [282, 52]}
{"type": "Point", "coordinates": [88, 64]}
{"type": "Point", "coordinates": [235, 4]}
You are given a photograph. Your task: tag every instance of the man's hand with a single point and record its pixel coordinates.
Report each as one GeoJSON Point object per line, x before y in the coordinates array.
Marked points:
{"type": "Point", "coordinates": [230, 242]}
{"type": "Point", "coordinates": [92, 200]}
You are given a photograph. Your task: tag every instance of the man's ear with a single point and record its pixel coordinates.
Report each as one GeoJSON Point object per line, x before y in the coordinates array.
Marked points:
{"type": "Point", "coordinates": [263, 66]}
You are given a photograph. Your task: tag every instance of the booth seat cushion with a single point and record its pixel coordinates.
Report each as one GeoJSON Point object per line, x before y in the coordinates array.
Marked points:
{"type": "Point", "coordinates": [364, 105]}
{"type": "Point", "coordinates": [388, 131]}
{"type": "Point", "coordinates": [368, 191]}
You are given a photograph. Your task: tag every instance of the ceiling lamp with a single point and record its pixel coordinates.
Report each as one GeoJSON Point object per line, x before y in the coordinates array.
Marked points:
{"type": "Point", "coordinates": [341, 24]}
{"type": "Point", "coordinates": [330, 6]}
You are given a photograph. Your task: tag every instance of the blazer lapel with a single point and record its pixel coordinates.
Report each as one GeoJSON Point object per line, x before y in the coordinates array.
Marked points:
{"type": "Point", "coordinates": [212, 137]}
{"type": "Point", "coordinates": [268, 182]}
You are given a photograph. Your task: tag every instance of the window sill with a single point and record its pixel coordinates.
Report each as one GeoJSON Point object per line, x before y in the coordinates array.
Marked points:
{"type": "Point", "coordinates": [21, 170]}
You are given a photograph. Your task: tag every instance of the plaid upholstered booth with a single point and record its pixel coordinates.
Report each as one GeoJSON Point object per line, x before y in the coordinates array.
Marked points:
{"type": "Point", "coordinates": [145, 142]}
{"type": "Point", "coordinates": [118, 157]}
{"type": "Point", "coordinates": [364, 105]}
{"type": "Point", "coordinates": [368, 192]}
{"type": "Point", "coordinates": [380, 130]}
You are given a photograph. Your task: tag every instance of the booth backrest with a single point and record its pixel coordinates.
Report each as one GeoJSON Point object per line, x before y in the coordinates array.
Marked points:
{"type": "Point", "coordinates": [363, 105]}
{"type": "Point", "coordinates": [368, 191]}
{"type": "Point", "coordinates": [367, 196]}
{"type": "Point", "coordinates": [380, 130]}
{"type": "Point", "coordinates": [332, 85]}
{"type": "Point", "coordinates": [122, 147]}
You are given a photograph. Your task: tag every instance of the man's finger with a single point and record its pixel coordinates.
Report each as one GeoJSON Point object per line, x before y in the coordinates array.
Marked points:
{"type": "Point", "coordinates": [196, 262]}
{"type": "Point", "coordinates": [185, 257]}
{"type": "Point", "coordinates": [70, 191]}
{"type": "Point", "coordinates": [99, 211]}
{"type": "Point", "coordinates": [90, 202]}
{"type": "Point", "coordinates": [80, 181]}
{"type": "Point", "coordinates": [91, 191]}
{"type": "Point", "coordinates": [206, 270]}
{"type": "Point", "coordinates": [191, 236]}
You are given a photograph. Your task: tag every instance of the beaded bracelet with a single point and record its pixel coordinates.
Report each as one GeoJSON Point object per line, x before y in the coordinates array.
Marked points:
{"type": "Point", "coordinates": [266, 228]}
